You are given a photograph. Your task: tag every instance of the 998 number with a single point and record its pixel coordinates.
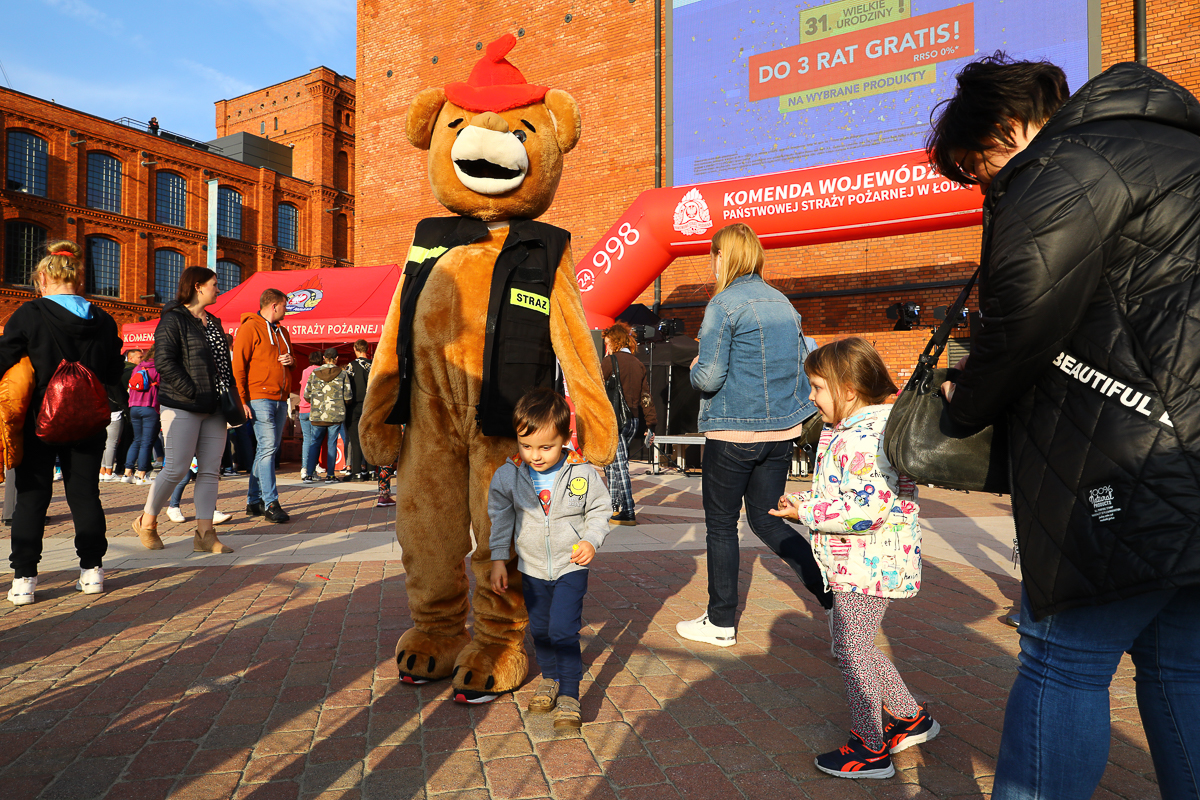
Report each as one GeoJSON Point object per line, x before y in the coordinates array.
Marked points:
{"type": "Point", "coordinates": [615, 245]}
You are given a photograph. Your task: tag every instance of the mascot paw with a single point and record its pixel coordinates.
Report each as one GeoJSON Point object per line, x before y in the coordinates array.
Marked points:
{"type": "Point", "coordinates": [483, 672]}
{"type": "Point", "coordinates": [423, 657]}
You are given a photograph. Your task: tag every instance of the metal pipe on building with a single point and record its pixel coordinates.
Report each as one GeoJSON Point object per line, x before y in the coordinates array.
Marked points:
{"type": "Point", "coordinates": [1139, 31]}
{"type": "Point", "coordinates": [658, 156]}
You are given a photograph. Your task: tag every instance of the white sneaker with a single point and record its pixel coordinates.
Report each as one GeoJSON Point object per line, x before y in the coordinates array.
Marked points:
{"type": "Point", "coordinates": [142, 481]}
{"type": "Point", "coordinates": [701, 630]}
{"type": "Point", "coordinates": [175, 515]}
{"type": "Point", "coordinates": [91, 581]}
{"type": "Point", "coordinates": [125, 479]}
{"type": "Point", "coordinates": [220, 517]}
{"type": "Point", "coordinates": [57, 477]}
{"type": "Point", "coordinates": [106, 477]}
{"type": "Point", "coordinates": [21, 593]}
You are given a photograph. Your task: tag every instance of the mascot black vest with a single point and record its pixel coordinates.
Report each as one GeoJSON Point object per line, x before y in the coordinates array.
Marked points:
{"type": "Point", "coordinates": [517, 354]}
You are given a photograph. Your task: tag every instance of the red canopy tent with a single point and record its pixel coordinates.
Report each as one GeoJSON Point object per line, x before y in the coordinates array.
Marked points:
{"type": "Point", "coordinates": [326, 307]}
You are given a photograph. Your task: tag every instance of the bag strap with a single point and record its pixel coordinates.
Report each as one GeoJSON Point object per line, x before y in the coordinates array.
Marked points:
{"type": "Point", "coordinates": [941, 337]}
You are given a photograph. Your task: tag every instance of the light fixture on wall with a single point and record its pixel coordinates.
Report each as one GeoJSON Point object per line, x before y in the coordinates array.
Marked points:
{"type": "Point", "coordinates": [81, 141]}
{"type": "Point", "coordinates": [149, 163]}
{"type": "Point", "coordinates": [333, 210]}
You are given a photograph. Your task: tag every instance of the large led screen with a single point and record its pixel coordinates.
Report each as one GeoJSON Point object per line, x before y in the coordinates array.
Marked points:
{"type": "Point", "coordinates": [762, 86]}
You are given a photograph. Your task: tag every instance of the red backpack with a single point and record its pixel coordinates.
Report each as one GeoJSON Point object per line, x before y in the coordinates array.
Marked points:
{"type": "Point", "coordinates": [139, 381]}
{"type": "Point", "coordinates": [76, 404]}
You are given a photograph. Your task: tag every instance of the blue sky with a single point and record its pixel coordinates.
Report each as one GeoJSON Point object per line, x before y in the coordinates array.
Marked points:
{"type": "Point", "coordinates": [170, 59]}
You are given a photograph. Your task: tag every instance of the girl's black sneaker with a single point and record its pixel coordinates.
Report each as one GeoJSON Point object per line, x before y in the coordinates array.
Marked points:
{"type": "Point", "coordinates": [855, 760]}
{"type": "Point", "coordinates": [901, 733]}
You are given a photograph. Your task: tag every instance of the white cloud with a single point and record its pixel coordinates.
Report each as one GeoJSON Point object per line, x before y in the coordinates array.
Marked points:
{"type": "Point", "coordinates": [218, 84]}
{"type": "Point", "coordinates": [94, 18]}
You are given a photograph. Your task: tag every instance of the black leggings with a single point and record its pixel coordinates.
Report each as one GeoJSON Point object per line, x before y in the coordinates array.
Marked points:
{"type": "Point", "coordinates": [80, 462]}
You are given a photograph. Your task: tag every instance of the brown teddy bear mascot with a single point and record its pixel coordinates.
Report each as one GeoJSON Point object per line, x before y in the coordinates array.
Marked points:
{"type": "Point", "coordinates": [488, 308]}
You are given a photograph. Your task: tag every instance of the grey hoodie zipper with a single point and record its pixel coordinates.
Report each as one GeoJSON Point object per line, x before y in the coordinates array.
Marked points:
{"type": "Point", "coordinates": [546, 527]}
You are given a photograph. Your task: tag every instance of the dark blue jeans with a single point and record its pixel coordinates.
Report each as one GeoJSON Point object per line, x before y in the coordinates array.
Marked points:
{"type": "Point", "coordinates": [555, 617]}
{"type": "Point", "coordinates": [1057, 722]}
{"type": "Point", "coordinates": [757, 473]}
{"type": "Point", "coordinates": [145, 430]}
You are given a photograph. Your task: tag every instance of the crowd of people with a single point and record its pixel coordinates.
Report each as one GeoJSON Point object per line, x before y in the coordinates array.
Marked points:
{"type": "Point", "coordinates": [1091, 252]}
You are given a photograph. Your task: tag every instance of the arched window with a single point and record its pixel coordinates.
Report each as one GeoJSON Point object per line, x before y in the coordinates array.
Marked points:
{"type": "Point", "coordinates": [102, 266]}
{"type": "Point", "coordinates": [340, 238]}
{"type": "Point", "coordinates": [348, 122]}
{"type": "Point", "coordinates": [104, 182]}
{"type": "Point", "coordinates": [341, 171]}
{"type": "Point", "coordinates": [24, 246]}
{"type": "Point", "coordinates": [229, 275]}
{"type": "Point", "coordinates": [262, 128]}
{"type": "Point", "coordinates": [229, 213]}
{"type": "Point", "coordinates": [276, 123]}
{"type": "Point", "coordinates": [287, 220]}
{"type": "Point", "coordinates": [170, 199]}
{"type": "Point", "coordinates": [28, 163]}
{"type": "Point", "coordinates": [168, 266]}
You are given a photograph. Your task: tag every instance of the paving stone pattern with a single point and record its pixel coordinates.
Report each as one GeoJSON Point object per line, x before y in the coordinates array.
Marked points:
{"type": "Point", "coordinates": [277, 681]}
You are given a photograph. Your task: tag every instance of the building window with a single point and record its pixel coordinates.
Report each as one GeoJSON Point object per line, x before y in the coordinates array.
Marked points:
{"type": "Point", "coordinates": [25, 244]}
{"type": "Point", "coordinates": [170, 199]}
{"type": "Point", "coordinates": [286, 225]}
{"type": "Point", "coordinates": [262, 128]}
{"type": "Point", "coordinates": [229, 213]}
{"type": "Point", "coordinates": [341, 171]}
{"type": "Point", "coordinates": [102, 270]}
{"type": "Point", "coordinates": [168, 267]}
{"type": "Point", "coordinates": [28, 163]}
{"type": "Point", "coordinates": [229, 275]}
{"type": "Point", "coordinates": [276, 123]}
{"type": "Point", "coordinates": [104, 182]}
{"type": "Point", "coordinates": [340, 237]}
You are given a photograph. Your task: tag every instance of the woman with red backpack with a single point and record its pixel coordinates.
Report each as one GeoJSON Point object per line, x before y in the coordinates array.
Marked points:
{"type": "Point", "coordinates": [75, 352]}
{"type": "Point", "coordinates": [143, 414]}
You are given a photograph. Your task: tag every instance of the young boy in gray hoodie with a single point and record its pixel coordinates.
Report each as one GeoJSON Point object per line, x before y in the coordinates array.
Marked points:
{"type": "Point", "coordinates": [553, 506]}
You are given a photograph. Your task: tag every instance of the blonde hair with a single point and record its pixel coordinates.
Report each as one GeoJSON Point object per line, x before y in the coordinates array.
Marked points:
{"type": "Point", "coordinates": [741, 253]}
{"type": "Point", "coordinates": [59, 267]}
{"type": "Point", "coordinates": [620, 335]}
{"type": "Point", "coordinates": [851, 363]}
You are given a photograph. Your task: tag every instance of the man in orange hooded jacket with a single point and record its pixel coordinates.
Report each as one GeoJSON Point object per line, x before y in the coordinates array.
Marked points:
{"type": "Point", "coordinates": [262, 362]}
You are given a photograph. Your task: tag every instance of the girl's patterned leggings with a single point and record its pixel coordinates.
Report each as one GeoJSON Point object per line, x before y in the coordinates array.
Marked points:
{"type": "Point", "coordinates": [871, 679]}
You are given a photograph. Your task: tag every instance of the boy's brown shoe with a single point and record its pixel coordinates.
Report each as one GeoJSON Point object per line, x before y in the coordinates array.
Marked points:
{"type": "Point", "coordinates": [567, 715]}
{"type": "Point", "coordinates": [545, 697]}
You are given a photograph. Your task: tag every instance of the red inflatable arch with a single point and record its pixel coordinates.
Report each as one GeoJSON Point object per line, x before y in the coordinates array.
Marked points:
{"type": "Point", "coordinates": [883, 196]}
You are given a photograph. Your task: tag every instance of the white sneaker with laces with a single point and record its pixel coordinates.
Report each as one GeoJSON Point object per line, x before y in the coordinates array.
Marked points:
{"type": "Point", "coordinates": [125, 479]}
{"type": "Point", "coordinates": [175, 515]}
{"type": "Point", "coordinates": [21, 593]}
{"type": "Point", "coordinates": [91, 581]}
{"type": "Point", "coordinates": [701, 630]}
{"type": "Point", "coordinates": [221, 516]}
{"type": "Point", "coordinates": [142, 481]}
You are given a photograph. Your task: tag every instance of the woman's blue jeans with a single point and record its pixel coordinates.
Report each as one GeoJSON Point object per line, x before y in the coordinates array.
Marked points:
{"type": "Point", "coordinates": [1057, 723]}
{"type": "Point", "coordinates": [145, 429]}
{"type": "Point", "coordinates": [306, 428]}
{"type": "Point", "coordinates": [758, 473]}
{"type": "Point", "coordinates": [321, 434]}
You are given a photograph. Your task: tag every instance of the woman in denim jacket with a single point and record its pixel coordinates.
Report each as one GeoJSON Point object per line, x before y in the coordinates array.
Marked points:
{"type": "Point", "coordinates": [754, 401]}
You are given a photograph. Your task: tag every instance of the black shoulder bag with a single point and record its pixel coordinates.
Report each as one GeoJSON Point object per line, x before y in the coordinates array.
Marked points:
{"type": "Point", "coordinates": [616, 395]}
{"type": "Point", "coordinates": [922, 442]}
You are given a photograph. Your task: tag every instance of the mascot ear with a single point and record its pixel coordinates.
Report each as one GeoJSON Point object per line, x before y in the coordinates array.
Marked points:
{"type": "Point", "coordinates": [422, 115]}
{"type": "Point", "coordinates": [565, 113]}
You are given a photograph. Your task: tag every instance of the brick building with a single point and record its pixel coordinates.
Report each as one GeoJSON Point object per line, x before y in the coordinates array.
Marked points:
{"type": "Point", "coordinates": [138, 202]}
{"type": "Point", "coordinates": [604, 55]}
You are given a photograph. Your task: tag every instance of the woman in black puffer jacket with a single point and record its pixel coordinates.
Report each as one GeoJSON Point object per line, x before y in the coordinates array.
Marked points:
{"type": "Point", "coordinates": [1089, 349]}
{"type": "Point", "coordinates": [194, 369]}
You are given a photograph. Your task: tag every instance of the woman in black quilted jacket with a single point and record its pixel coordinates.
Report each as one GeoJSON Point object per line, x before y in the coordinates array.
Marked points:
{"type": "Point", "coordinates": [1089, 350]}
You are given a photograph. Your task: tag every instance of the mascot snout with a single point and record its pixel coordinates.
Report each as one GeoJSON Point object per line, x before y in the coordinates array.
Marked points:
{"type": "Point", "coordinates": [487, 158]}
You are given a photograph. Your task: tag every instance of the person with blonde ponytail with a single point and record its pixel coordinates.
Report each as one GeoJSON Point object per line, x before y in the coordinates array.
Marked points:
{"type": "Point", "coordinates": [60, 325]}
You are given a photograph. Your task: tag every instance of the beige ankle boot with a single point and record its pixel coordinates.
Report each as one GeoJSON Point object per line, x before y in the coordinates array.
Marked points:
{"type": "Point", "coordinates": [207, 542]}
{"type": "Point", "coordinates": [148, 536]}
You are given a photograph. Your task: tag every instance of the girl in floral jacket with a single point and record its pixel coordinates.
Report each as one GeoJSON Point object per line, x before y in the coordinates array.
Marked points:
{"type": "Point", "coordinates": [867, 539]}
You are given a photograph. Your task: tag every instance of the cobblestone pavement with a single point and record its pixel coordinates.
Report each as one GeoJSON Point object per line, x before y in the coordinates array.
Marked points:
{"type": "Point", "coordinates": [276, 680]}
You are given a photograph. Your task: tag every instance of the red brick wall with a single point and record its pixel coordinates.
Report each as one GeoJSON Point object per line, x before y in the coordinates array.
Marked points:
{"type": "Point", "coordinates": [65, 215]}
{"type": "Point", "coordinates": [605, 58]}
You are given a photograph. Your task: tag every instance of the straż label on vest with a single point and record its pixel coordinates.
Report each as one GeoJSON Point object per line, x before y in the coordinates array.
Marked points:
{"type": "Point", "coordinates": [530, 300]}
{"type": "Point", "coordinates": [1103, 502]}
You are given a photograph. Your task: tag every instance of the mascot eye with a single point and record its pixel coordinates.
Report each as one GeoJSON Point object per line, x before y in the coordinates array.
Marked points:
{"type": "Point", "coordinates": [520, 135]}
{"type": "Point", "coordinates": [527, 124]}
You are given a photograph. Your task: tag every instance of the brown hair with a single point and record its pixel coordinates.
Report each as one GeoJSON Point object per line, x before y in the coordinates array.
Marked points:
{"type": "Point", "coordinates": [149, 354]}
{"type": "Point", "coordinates": [270, 296]}
{"type": "Point", "coordinates": [620, 335]}
{"type": "Point", "coordinates": [62, 264]}
{"type": "Point", "coordinates": [315, 359]}
{"type": "Point", "coordinates": [190, 278]}
{"type": "Point", "coordinates": [538, 408]}
{"type": "Point", "coordinates": [361, 346]}
{"type": "Point", "coordinates": [741, 253]}
{"type": "Point", "coordinates": [851, 363]}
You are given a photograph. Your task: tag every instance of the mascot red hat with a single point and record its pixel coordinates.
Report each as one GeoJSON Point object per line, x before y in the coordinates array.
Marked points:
{"type": "Point", "coordinates": [495, 84]}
